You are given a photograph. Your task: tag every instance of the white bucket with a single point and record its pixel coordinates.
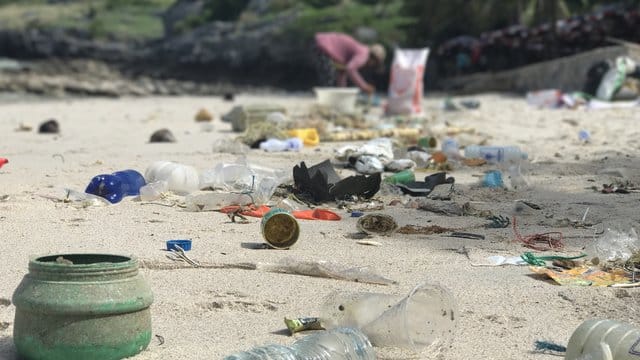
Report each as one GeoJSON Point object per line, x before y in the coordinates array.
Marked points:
{"type": "Point", "coordinates": [338, 98]}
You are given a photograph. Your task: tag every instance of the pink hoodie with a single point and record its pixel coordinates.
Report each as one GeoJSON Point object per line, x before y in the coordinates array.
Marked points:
{"type": "Point", "coordinates": [345, 50]}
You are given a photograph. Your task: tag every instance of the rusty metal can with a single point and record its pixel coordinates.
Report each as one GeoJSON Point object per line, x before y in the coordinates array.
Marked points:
{"type": "Point", "coordinates": [280, 229]}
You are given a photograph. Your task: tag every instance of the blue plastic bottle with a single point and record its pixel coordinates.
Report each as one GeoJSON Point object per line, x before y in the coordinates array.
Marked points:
{"type": "Point", "coordinates": [114, 187]}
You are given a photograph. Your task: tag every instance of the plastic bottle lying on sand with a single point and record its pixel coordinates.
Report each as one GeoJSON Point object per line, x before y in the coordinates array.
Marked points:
{"type": "Point", "coordinates": [273, 145]}
{"type": "Point", "coordinates": [179, 177]}
{"type": "Point", "coordinates": [604, 339]}
{"type": "Point", "coordinates": [114, 187]}
{"type": "Point", "coordinates": [495, 154]}
{"type": "Point", "coordinates": [337, 344]}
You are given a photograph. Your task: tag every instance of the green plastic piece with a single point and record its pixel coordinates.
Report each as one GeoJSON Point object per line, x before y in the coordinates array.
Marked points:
{"type": "Point", "coordinates": [402, 177]}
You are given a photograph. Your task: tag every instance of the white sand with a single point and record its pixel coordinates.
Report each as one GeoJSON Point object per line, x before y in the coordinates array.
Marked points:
{"type": "Point", "coordinates": [207, 313]}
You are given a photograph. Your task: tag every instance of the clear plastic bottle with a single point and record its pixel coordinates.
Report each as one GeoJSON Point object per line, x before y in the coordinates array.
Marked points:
{"type": "Point", "coordinates": [336, 344]}
{"type": "Point", "coordinates": [604, 339]}
{"type": "Point", "coordinates": [495, 154]}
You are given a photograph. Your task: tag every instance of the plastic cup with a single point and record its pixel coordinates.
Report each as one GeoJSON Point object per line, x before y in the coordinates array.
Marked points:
{"type": "Point", "coordinates": [351, 309]}
{"type": "Point", "coordinates": [426, 317]}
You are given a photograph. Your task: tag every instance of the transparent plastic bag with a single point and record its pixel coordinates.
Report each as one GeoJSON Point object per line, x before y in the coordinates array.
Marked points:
{"type": "Point", "coordinates": [616, 245]}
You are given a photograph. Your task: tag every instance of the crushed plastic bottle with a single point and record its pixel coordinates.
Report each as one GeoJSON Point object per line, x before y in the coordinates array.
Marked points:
{"type": "Point", "coordinates": [337, 344]}
{"type": "Point", "coordinates": [496, 154]}
{"type": "Point", "coordinates": [240, 177]}
{"type": "Point", "coordinates": [114, 187]}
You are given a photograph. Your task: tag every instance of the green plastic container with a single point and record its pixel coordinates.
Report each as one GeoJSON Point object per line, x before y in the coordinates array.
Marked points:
{"type": "Point", "coordinates": [402, 177]}
{"type": "Point", "coordinates": [82, 306]}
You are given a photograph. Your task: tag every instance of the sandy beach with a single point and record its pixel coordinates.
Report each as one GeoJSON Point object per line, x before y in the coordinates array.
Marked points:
{"type": "Point", "coordinates": [209, 313]}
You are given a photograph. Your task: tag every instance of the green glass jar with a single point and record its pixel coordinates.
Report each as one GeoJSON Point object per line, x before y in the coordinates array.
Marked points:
{"type": "Point", "coordinates": [82, 306]}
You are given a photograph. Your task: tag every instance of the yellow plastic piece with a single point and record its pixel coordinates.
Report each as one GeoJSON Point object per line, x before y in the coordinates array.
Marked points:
{"type": "Point", "coordinates": [309, 136]}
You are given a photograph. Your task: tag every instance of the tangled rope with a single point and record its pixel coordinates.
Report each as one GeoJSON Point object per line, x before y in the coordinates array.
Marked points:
{"type": "Point", "coordinates": [552, 240]}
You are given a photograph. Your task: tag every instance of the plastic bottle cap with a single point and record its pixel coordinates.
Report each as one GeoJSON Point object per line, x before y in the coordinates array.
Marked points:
{"type": "Point", "coordinates": [184, 244]}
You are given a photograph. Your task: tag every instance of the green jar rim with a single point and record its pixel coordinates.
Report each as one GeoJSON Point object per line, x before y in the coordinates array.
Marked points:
{"type": "Point", "coordinates": [84, 264]}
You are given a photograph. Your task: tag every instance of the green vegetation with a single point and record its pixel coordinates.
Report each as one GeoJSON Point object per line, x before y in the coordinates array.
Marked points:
{"type": "Point", "coordinates": [408, 22]}
{"type": "Point", "coordinates": [439, 20]}
{"type": "Point", "coordinates": [384, 17]}
{"type": "Point", "coordinates": [121, 19]}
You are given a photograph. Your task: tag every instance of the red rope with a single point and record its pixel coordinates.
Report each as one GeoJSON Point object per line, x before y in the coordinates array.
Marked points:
{"type": "Point", "coordinates": [551, 240]}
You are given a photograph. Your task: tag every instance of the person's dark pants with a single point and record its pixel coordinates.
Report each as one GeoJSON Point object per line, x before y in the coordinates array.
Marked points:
{"type": "Point", "coordinates": [324, 67]}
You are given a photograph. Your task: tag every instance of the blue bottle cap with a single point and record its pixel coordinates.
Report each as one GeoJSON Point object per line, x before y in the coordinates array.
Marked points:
{"type": "Point", "coordinates": [184, 244]}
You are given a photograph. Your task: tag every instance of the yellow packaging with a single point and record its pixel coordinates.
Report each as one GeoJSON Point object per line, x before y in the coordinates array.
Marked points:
{"type": "Point", "coordinates": [309, 136]}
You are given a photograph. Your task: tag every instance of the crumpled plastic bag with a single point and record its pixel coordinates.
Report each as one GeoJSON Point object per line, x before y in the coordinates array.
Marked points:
{"type": "Point", "coordinates": [616, 245]}
{"type": "Point", "coordinates": [382, 148]}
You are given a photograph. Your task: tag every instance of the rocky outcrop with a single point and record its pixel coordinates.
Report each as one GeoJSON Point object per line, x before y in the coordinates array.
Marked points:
{"type": "Point", "coordinates": [55, 78]}
{"type": "Point", "coordinates": [61, 43]}
{"type": "Point", "coordinates": [259, 52]}
{"type": "Point", "coordinates": [179, 12]}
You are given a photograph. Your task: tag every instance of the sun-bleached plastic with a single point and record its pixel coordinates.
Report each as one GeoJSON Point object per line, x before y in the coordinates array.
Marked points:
{"type": "Point", "coordinates": [336, 344]}
{"type": "Point", "coordinates": [180, 178]}
{"type": "Point", "coordinates": [604, 340]}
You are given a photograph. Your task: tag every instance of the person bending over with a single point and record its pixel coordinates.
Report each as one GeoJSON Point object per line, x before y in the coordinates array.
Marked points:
{"type": "Point", "coordinates": [339, 56]}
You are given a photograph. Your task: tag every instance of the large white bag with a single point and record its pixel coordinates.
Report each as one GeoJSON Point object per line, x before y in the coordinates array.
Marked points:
{"type": "Point", "coordinates": [405, 87]}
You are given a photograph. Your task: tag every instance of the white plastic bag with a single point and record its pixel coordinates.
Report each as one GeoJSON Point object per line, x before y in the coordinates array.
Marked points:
{"type": "Point", "coordinates": [405, 86]}
{"type": "Point", "coordinates": [614, 79]}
